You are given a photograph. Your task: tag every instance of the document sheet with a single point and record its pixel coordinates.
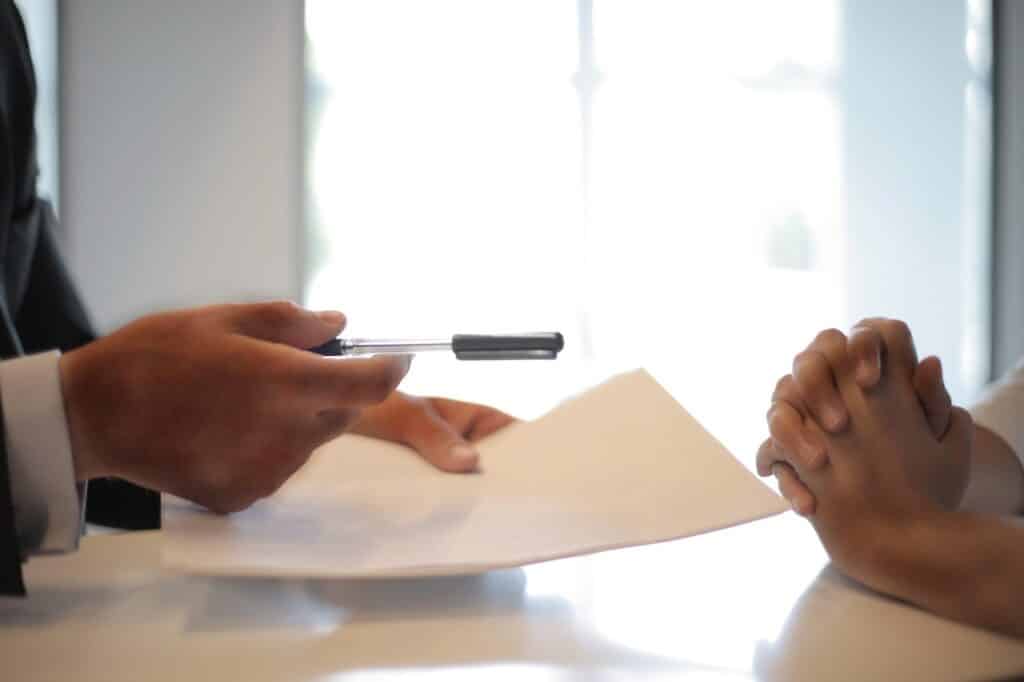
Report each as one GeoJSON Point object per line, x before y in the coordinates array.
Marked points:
{"type": "Point", "coordinates": [621, 464]}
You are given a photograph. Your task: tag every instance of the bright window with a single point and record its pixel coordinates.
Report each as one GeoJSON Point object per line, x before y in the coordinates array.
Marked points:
{"type": "Point", "coordinates": [693, 187]}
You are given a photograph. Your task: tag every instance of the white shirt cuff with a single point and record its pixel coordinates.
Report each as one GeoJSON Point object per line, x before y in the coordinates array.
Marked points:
{"type": "Point", "coordinates": [48, 506]}
{"type": "Point", "coordinates": [1001, 410]}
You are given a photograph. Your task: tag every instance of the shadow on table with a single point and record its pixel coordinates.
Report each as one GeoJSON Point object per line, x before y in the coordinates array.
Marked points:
{"type": "Point", "coordinates": [234, 604]}
{"type": "Point", "coordinates": [409, 624]}
{"type": "Point", "coordinates": [841, 630]}
{"type": "Point", "coordinates": [140, 603]}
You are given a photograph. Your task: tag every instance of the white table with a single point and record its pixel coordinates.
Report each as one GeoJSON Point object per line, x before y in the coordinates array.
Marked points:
{"type": "Point", "coordinates": [747, 603]}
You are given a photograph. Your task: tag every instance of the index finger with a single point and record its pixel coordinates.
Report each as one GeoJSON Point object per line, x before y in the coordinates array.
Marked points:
{"type": "Point", "coordinates": [865, 346]}
{"type": "Point", "coordinates": [473, 421]}
{"type": "Point", "coordinates": [897, 350]}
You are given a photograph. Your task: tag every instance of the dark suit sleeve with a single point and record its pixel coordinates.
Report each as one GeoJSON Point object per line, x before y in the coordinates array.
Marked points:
{"type": "Point", "coordinates": [11, 60]}
{"type": "Point", "coordinates": [40, 308]}
{"type": "Point", "coordinates": [10, 553]}
{"type": "Point", "coordinates": [52, 316]}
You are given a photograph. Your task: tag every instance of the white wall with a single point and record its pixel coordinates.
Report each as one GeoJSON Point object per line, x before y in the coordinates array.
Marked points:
{"type": "Point", "coordinates": [912, 232]}
{"type": "Point", "coordinates": [181, 152]}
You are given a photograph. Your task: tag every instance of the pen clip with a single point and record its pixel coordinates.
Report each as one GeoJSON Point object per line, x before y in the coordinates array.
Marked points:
{"type": "Point", "coordinates": [539, 346]}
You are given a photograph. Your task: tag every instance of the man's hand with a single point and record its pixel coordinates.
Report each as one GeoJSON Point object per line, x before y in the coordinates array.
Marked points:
{"type": "Point", "coordinates": [810, 394]}
{"type": "Point", "coordinates": [888, 476]}
{"type": "Point", "coordinates": [440, 430]}
{"type": "Point", "coordinates": [219, 405]}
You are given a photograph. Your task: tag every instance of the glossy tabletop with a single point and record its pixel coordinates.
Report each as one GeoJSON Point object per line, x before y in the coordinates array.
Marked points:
{"type": "Point", "coordinates": [752, 602]}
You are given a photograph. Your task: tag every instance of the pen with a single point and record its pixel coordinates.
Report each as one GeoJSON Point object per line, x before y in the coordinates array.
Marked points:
{"type": "Point", "coordinates": [535, 346]}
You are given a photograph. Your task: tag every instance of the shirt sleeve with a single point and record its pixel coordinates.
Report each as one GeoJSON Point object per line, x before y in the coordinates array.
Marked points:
{"type": "Point", "coordinates": [1001, 410]}
{"type": "Point", "coordinates": [48, 505]}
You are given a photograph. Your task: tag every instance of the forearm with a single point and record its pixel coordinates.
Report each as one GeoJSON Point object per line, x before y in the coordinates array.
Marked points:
{"type": "Point", "coordinates": [996, 483]}
{"type": "Point", "coordinates": [963, 566]}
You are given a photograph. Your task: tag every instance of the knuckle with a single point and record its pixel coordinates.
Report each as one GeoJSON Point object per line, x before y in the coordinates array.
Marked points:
{"type": "Point", "coordinates": [864, 338]}
{"type": "Point", "coordinates": [767, 457]}
{"type": "Point", "coordinates": [780, 423]}
{"type": "Point", "coordinates": [800, 359]}
{"type": "Point", "coordinates": [809, 368]}
{"type": "Point", "coordinates": [784, 388]}
{"type": "Point", "coordinates": [279, 313]}
{"type": "Point", "coordinates": [868, 323]}
{"type": "Point", "coordinates": [830, 338]}
{"type": "Point", "coordinates": [898, 329]}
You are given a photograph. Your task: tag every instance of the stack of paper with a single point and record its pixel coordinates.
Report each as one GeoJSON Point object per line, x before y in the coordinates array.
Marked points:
{"type": "Point", "coordinates": [622, 464]}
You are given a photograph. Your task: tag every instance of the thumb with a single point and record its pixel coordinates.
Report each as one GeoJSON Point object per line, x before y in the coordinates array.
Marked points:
{"type": "Point", "coordinates": [933, 396]}
{"type": "Point", "coordinates": [957, 445]}
{"type": "Point", "coordinates": [284, 322]}
{"type": "Point", "coordinates": [960, 435]}
{"type": "Point", "coordinates": [438, 442]}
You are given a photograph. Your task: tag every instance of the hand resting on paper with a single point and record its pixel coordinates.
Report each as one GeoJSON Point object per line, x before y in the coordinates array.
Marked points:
{"type": "Point", "coordinates": [889, 493]}
{"type": "Point", "coordinates": [220, 405]}
{"type": "Point", "coordinates": [440, 430]}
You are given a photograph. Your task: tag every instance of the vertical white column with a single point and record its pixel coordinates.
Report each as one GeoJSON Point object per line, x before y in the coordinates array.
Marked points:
{"type": "Point", "coordinates": [182, 151]}
{"type": "Point", "coordinates": [1008, 252]}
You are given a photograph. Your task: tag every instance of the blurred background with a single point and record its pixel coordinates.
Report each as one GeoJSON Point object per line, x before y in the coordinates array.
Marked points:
{"type": "Point", "coordinates": [692, 187]}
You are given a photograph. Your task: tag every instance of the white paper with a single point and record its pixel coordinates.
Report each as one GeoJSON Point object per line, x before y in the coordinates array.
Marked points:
{"type": "Point", "coordinates": [622, 464]}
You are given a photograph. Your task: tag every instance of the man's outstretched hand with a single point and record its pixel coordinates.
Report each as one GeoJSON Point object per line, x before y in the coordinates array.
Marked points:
{"type": "Point", "coordinates": [442, 431]}
{"type": "Point", "coordinates": [219, 405]}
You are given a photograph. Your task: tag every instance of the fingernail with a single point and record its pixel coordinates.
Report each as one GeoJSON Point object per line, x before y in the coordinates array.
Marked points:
{"type": "Point", "coordinates": [869, 370]}
{"type": "Point", "coordinates": [835, 417]}
{"type": "Point", "coordinates": [464, 454]}
{"type": "Point", "coordinates": [331, 317]}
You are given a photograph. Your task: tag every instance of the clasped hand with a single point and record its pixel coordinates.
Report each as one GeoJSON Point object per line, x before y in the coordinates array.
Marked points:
{"type": "Point", "coordinates": [865, 442]}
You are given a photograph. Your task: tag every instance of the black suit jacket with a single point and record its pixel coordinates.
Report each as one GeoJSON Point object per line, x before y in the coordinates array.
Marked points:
{"type": "Point", "coordinates": [40, 308]}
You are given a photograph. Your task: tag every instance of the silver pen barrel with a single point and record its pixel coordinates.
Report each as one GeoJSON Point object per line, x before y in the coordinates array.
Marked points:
{"type": "Point", "coordinates": [355, 347]}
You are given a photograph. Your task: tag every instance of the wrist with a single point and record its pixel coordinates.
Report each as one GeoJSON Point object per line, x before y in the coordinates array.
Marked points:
{"type": "Point", "coordinates": [937, 563]}
{"type": "Point", "coordinates": [890, 557]}
{"type": "Point", "coordinates": [83, 453]}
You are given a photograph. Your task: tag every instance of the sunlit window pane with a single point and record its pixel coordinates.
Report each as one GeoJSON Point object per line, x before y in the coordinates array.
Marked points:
{"type": "Point", "coordinates": [445, 180]}
{"type": "Point", "coordinates": [667, 183]}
